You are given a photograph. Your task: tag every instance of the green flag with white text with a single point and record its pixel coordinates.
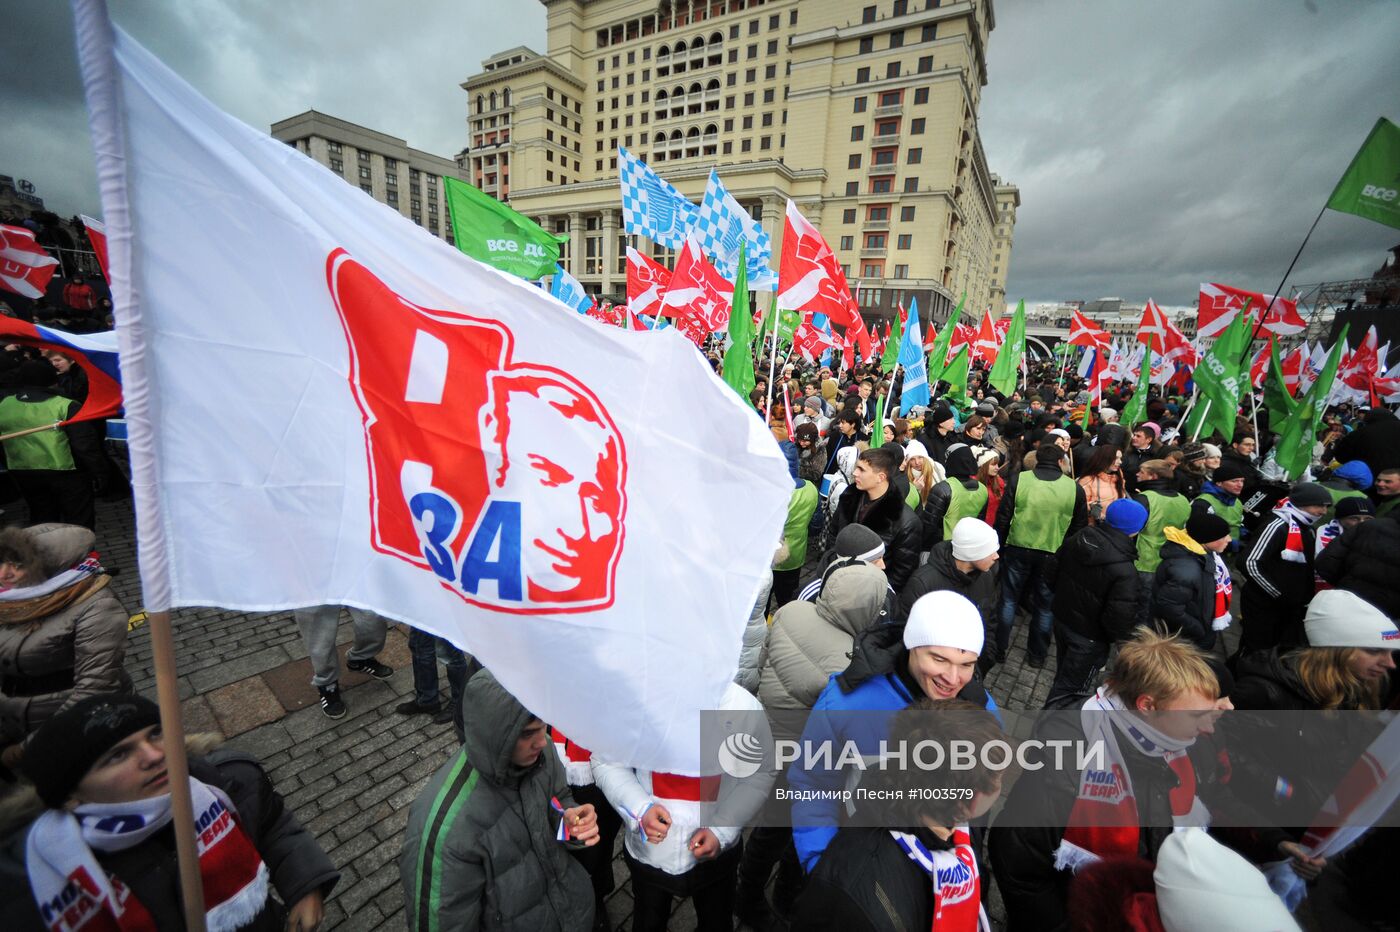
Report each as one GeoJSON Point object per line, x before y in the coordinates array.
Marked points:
{"type": "Point", "coordinates": [1135, 411]}
{"type": "Point", "coordinates": [1218, 378]}
{"type": "Point", "coordinates": [1370, 187]}
{"type": "Point", "coordinates": [1295, 445]}
{"type": "Point", "coordinates": [491, 232]}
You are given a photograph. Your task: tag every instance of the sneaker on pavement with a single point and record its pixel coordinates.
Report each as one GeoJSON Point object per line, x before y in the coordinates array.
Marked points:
{"type": "Point", "coordinates": [411, 707]}
{"type": "Point", "coordinates": [371, 666]}
{"type": "Point", "coordinates": [444, 717]}
{"type": "Point", "coordinates": [331, 703]}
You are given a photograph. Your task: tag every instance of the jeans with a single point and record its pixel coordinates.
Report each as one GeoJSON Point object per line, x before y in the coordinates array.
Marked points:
{"type": "Point", "coordinates": [318, 630]}
{"type": "Point", "coordinates": [1146, 582]}
{"type": "Point", "coordinates": [785, 586]}
{"type": "Point", "coordinates": [1078, 661]}
{"type": "Point", "coordinates": [709, 884]}
{"type": "Point", "coordinates": [1020, 568]}
{"type": "Point", "coordinates": [426, 650]}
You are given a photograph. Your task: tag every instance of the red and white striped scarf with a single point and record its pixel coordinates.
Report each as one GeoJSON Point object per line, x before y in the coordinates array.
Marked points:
{"type": "Point", "coordinates": [957, 887]}
{"type": "Point", "coordinates": [74, 893]}
{"type": "Point", "coordinates": [1293, 549]}
{"type": "Point", "coordinates": [1223, 589]}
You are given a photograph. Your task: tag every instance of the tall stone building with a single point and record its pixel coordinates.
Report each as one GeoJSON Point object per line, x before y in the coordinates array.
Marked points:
{"type": "Point", "coordinates": [383, 166]}
{"type": "Point", "coordinates": [864, 115]}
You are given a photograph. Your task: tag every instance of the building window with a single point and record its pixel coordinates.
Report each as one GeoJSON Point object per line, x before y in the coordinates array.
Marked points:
{"type": "Point", "coordinates": [901, 271]}
{"type": "Point", "coordinates": [887, 128]}
{"type": "Point", "coordinates": [930, 33]}
{"type": "Point", "coordinates": [878, 213]}
{"type": "Point", "coordinates": [916, 156]}
{"type": "Point", "coordinates": [770, 72]}
{"type": "Point", "coordinates": [745, 145]}
{"type": "Point", "coordinates": [364, 173]}
{"type": "Point", "coordinates": [867, 15]}
{"type": "Point", "coordinates": [734, 31]}
{"type": "Point", "coordinates": [848, 242]}
{"type": "Point", "coordinates": [853, 160]}
{"type": "Point", "coordinates": [768, 96]}
{"type": "Point", "coordinates": [392, 198]}
{"type": "Point", "coordinates": [768, 118]}
{"type": "Point", "coordinates": [901, 7]}
{"type": "Point", "coordinates": [862, 75]}
{"type": "Point", "coordinates": [906, 213]}
{"type": "Point", "coordinates": [857, 133]}
{"type": "Point", "coordinates": [772, 46]}
{"type": "Point", "coordinates": [334, 147]}
{"type": "Point", "coordinates": [391, 178]}
{"type": "Point", "coordinates": [867, 45]}
{"type": "Point", "coordinates": [728, 148]}
{"type": "Point", "coordinates": [765, 142]}
{"type": "Point", "coordinates": [848, 215]}
{"type": "Point", "coordinates": [885, 156]}
{"type": "Point", "coordinates": [729, 122]}
{"type": "Point", "coordinates": [897, 39]}
{"type": "Point", "coordinates": [916, 128]}
{"type": "Point", "coordinates": [367, 188]}
{"type": "Point", "coordinates": [752, 52]}
{"type": "Point", "coordinates": [773, 21]}
{"type": "Point", "coordinates": [873, 270]}
{"type": "Point", "coordinates": [920, 95]}
{"type": "Point", "coordinates": [859, 105]}
{"type": "Point", "coordinates": [881, 185]}
{"type": "Point", "coordinates": [911, 185]}
{"type": "Point", "coordinates": [337, 166]}
{"type": "Point", "coordinates": [750, 75]}
{"type": "Point", "coordinates": [874, 241]}
{"type": "Point", "coordinates": [792, 18]}
{"type": "Point", "coordinates": [904, 241]}
{"type": "Point", "coordinates": [549, 176]}
{"type": "Point", "coordinates": [890, 98]}
{"type": "Point", "coordinates": [748, 122]}
{"type": "Point", "coordinates": [925, 64]}
{"type": "Point", "coordinates": [852, 188]}
{"type": "Point", "coordinates": [892, 70]}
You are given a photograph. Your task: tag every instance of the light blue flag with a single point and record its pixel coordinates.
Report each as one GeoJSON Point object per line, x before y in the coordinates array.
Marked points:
{"type": "Point", "coordinates": [823, 323]}
{"type": "Point", "coordinates": [570, 291]}
{"type": "Point", "coordinates": [911, 357]}
{"type": "Point", "coordinates": [651, 207]}
{"type": "Point", "coordinates": [721, 225]}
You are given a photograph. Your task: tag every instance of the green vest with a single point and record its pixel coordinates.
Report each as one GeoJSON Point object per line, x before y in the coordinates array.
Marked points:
{"type": "Point", "coordinates": [46, 449]}
{"type": "Point", "coordinates": [1043, 512]}
{"type": "Point", "coordinates": [963, 504]}
{"type": "Point", "coordinates": [1163, 511]}
{"type": "Point", "coordinates": [1337, 496]}
{"type": "Point", "coordinates": [800, 507]}
{"type": "Point", "coordinates": [1234, 514]}
{"type": "Point", "coordinates": [912, 499]}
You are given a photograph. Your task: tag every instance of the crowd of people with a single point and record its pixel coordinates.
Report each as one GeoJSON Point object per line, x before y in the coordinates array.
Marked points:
{"type": "Point", "coordinates": [1166, 573]}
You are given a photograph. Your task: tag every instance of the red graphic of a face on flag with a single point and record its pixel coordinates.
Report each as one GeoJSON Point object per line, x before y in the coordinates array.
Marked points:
{"type": "Point", "coordinates": [507, 480]}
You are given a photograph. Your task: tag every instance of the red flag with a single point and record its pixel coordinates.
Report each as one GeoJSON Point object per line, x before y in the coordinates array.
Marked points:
{"type": "Point", "coordinates": [1259, 368]}
{"type": "Point", "coordinates": [25, 268]}
{"type": "Point", "coordinates": [986, 344]}
{"type": "Point", "coordinates": [810, 279]}
{"type": "Point", "coordinates": [97, 235]}
{"type": "Point", "coordinates": [698, 295]}
{"type": "Point", "coordinates": [1000, 327]}
{"type": "Point", "coordinates": [1158, 332]}
{"type": "Point", "coordinates": [104, 397]}
{"type": "Point", "coordinates": [1220, 303]}
{"type": "Point", "coordinates": [963, 334]}
{"type": "Point", "coordinates": [1086, 332]}
{"type": "Point", "coordinates": [787, 414]}
{"type": "Point", "coordinates": [1292, 367]}
{"type": "Point", "coordinates": [810, 342]}
{"type": "Point", "coordinates": [647, 281]}
{"type": "Point", "coordinates": [1359, 370]}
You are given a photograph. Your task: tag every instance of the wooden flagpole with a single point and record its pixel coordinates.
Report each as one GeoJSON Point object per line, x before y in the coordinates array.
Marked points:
{"type": "Point", "coordinates": [32, 430]}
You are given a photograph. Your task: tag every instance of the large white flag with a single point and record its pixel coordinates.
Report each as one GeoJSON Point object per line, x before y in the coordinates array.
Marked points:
{"type": "Point", "coordinates": [329, 405]}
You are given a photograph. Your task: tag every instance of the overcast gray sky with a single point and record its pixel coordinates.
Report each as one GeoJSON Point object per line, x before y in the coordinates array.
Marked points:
{"type": "Point", "coordinates": [1156, 145]}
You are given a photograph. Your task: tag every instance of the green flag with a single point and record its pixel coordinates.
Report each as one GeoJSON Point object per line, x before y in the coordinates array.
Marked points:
{"type": "Point", "coordinates": [491, 232]}
{"type": "Point", "coordinates": [1276, 397]}
{"type": "Point", "coordinates": [1295, 445]}
{"type": "Point", "coordinates": [938, 356]}
{"type": "Point", "coordinates": [738, 359]}
{"type": "Point", "coordinates": [1135, 411]}
{"type": "Point", "coordinates": [956, 373]}
{"type": "Point", "coordinates": [1370, 187]}
{"type": "Point", "coordinates": [1006, 369]}
{"type": "Point", "coordinates": [877, 430]}
{"type": "Point", "coordinates": [1218, 378]}
{"type": "Point", "coordinates": [1088, 411]}
{"type": "Point", "coordinates": [890, 357]}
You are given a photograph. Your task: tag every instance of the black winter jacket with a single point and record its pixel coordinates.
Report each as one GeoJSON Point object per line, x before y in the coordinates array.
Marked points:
{"type": "Point", "coordinates": [1273, 578]}
{"type": "Point", "coordinates": [941, 573]}
{"type": "Point", "coordinates": [1183, 593]}
{"type": "Point", "coordinates": [1096, 584]}
{"type": "Point", "coordinates": [866, 883]}
{"type": "Point", "coordinates": [1006, 509]}
{"type": "Point", "coordinates": [1366, 561]}
{"type": "Point", "coordinates": [893, 520]}
{"type": "Point", "coordinates": [296, 864]}
{"type": "Point", "coordinates": [940, 496]}
{"type": "Point", "coordinates": [1377, 443]}
{"type": "Point", "coordinates": [937, 444]}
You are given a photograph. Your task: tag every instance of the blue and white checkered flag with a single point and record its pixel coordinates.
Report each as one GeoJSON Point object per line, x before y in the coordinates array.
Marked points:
{"type": "Point", "coordinates": [721, 225]}
{"type": "Point", "coordinates": [570, 290]}
{"type": "Point", "coordinates": [651, 207]}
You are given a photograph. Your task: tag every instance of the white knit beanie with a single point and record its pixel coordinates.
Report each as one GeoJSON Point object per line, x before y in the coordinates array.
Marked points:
{"type": "Point", "coordinates": [1337, 618]}
{"type": "Point", "coordinates": [973, 539]}
{"type": "Point", "coordinates": [944, 619]}
{"type": "Point", "coordinates": [1201, 884]}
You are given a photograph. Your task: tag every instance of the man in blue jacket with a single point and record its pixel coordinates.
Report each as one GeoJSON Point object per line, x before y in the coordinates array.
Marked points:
{"type": "Point", "coordinates": [934, 655]}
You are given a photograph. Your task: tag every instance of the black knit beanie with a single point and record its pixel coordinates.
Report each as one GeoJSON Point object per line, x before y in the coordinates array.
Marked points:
{"type": "Point", "coordinates": [65, 747]}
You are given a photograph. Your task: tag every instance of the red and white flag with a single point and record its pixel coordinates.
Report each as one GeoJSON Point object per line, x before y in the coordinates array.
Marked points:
{"type": "Point", "coordinates": [647, 281]}
{"type": "Point", "coordinates": [1358, 372]}
{"type": "Point", "coordinates": [97, 235]}
{"type": "Point", "coordinates": [698, 296]}
{"type": "Point", "coordinates": [1293, 365]}
{"type": "Point", "coordinates": [1086, 332]}
{"type": "Point", "coordinates": [25, 267]}
{"type": "Point", "coordinates": [1168, 344]}
{"type": "Point", "coordinates": [1259, 368]}
{"type": "Point", "coordinates": [1219, 304]}
{"type": "Point", "coordinates": [418, 434]}
{"type": "Point", "coordinates": [810, 279]}
{"type": "Point", "coordinates": [811, 342]}
{"type": "Point", "coordinates": [986, 343]}
{"type": "Point", "coordinates": [963, 335]}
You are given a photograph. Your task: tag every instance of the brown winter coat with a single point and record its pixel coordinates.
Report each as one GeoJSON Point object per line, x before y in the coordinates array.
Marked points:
{"type": "Point", "coordinates": [86, 638]}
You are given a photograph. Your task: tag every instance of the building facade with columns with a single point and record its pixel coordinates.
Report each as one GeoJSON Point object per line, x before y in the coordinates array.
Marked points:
{"type": "Point", "coordinates": [865, 115]}
{"type": "Point", "coordinates": [384, 167]}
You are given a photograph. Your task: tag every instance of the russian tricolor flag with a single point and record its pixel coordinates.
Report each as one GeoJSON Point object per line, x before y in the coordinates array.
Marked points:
{"type": "Point", "coordinates": [96, 353]}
